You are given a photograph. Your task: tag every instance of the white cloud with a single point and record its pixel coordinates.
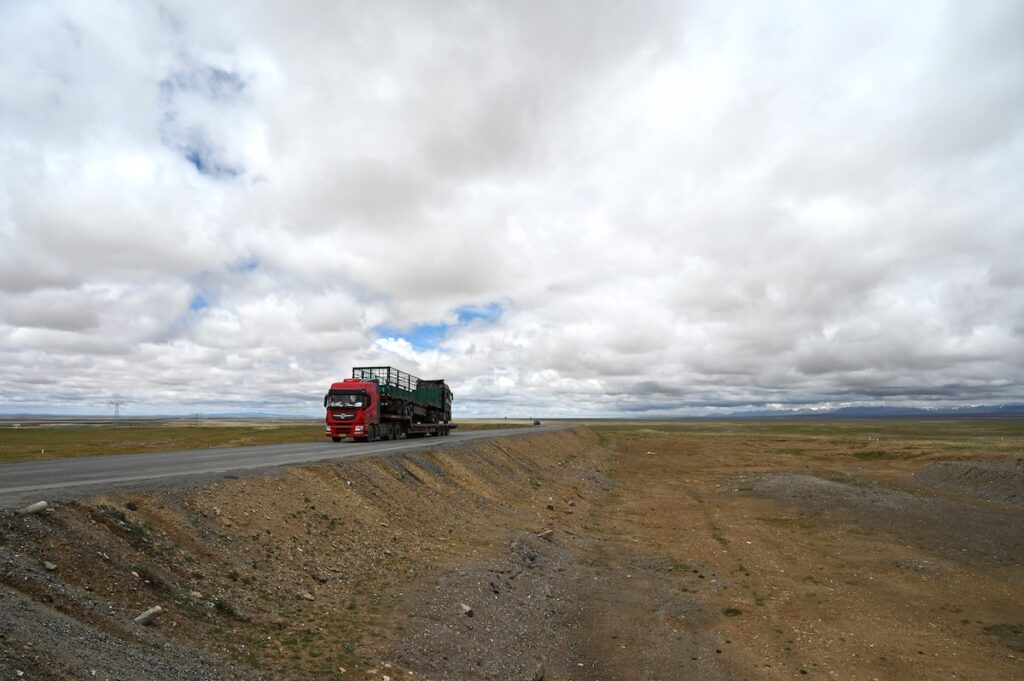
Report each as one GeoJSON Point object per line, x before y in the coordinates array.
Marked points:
{"type": "Point", "coordinates": [675, 208]}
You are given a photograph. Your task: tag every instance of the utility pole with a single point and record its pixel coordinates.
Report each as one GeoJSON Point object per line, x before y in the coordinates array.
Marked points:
{"type": "Point", "coordinates": [117, 403]}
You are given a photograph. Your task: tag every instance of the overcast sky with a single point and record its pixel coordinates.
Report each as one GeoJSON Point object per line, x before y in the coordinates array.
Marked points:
{"type": "Point", "coordinates": [564, 208]}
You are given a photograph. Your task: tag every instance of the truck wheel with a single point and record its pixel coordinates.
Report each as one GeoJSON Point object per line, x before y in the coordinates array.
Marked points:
{"type": "Point", "coordinates": [335, 438]}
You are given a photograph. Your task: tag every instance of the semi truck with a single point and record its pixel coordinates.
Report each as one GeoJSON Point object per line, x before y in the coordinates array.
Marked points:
{"type": "Point", "coordinates": [383, 403]}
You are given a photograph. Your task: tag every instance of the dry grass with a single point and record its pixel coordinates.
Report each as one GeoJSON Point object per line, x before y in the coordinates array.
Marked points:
{"type": "Point", "coordinates": [25, 444]}
{"type": "Point", "coordinates": [57, 440]}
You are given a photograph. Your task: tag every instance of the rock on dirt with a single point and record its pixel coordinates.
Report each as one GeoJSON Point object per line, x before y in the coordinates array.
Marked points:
{"type": "Point", "coordinates": [149, 615]}
{"type": "Point", "coordinates": [32, 509]}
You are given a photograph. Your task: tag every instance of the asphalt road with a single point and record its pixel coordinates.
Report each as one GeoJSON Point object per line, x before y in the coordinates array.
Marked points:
{"type": "Point", "coordinates": [30, 481]}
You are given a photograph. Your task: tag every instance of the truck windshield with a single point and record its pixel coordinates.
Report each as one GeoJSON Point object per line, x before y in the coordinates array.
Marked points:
{"type": "Point", "coordinates": [346, 400]}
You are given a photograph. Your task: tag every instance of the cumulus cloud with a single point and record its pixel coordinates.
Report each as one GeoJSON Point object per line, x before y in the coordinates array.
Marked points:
{"type": "Point", "coordinates": [568, 208]}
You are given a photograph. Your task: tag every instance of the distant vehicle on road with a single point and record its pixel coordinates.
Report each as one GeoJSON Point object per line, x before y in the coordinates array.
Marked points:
{"type": "Point", "coordinates": [383, 403]}
{"type": "Point", "coordinates": [536, 422]}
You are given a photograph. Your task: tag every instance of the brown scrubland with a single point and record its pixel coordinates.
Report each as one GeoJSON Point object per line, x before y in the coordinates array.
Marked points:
{"type": "Point", "coordinates": [616, 551]}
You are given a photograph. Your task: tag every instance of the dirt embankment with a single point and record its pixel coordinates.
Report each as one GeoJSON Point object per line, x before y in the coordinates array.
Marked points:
{"type": "Point", "coordinates": [633, 554]}
{"type": "Point", "coordinates": [343, 570]}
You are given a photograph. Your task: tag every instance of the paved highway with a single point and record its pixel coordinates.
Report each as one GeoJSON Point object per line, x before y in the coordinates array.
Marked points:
{"type": "Point", "coordinates": [30, 481]}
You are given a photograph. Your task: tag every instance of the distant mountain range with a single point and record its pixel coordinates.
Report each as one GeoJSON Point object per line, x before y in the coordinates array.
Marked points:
{"type": "Point", "coordinates": [885, 412]}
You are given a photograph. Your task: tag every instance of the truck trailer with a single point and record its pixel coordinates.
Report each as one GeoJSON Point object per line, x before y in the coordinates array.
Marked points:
{"type": "Point", "coordinates": [383, 403]}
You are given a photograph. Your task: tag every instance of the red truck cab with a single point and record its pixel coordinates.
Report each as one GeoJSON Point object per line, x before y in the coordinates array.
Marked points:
{"type": "Point", "coordinates": [353, 410]}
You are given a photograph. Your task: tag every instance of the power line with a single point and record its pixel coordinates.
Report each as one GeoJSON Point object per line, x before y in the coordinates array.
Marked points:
{"type": "Point", "coordinates": [117, 403]}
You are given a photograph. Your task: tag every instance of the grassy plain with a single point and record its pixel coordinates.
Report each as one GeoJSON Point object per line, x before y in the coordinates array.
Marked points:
{"type": "Point", "coordinates": [866, 439]}
{"type": "Point", "coordinates": [60, 441]}
{"type": "Point", "coordinates": [895, 437]}
{"type": "Point", "coordinates": [56, 440]}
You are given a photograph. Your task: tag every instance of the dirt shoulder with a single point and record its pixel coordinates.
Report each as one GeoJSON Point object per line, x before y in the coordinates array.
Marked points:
{"type": "Point", "coordinates": [631, 553]}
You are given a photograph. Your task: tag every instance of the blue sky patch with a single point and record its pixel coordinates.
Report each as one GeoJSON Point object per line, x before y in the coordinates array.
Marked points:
{"type": "Point", "coordinates": [207, 164]}
{"type": "Point", "coordinates": [420, 337]}
{"type": "Point", "coordinates": [428, 336]}
{"type": "Point", "coordinates": [198, 303]}
{"type": "Point", "coordinates": [245, 265]}
{"type": "Point", "coordinates": [488, 313]}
